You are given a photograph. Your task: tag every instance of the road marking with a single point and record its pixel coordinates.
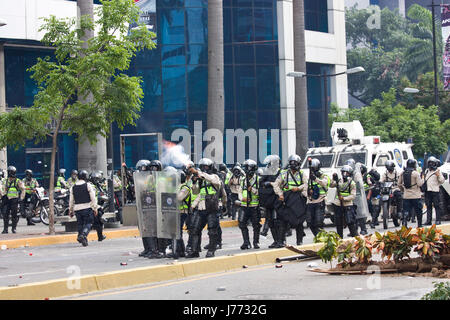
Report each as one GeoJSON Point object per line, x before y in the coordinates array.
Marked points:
{"type": "Point", "coordinates": [168, 284]}
{"type": "Point", "coordinates": [32, 273]}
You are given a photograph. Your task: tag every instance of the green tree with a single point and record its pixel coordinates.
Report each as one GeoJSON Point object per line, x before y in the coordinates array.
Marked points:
{"type": "Point", "coordinates": [79, 71]}
{"type": "Point", "coordinates": [399, 48]}
{"type": "Point", "coordinates": [395, 122]}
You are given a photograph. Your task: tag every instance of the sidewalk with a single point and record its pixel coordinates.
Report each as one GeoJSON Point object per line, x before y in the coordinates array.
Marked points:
{"type": "Point", "coordinates": [37, 235]}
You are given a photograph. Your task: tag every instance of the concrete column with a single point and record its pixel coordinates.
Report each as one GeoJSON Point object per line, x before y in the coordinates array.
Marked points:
{"type": "Point", "coordinates": [3, 152]}
{"type": "Point", "coordinates": [287, 84]}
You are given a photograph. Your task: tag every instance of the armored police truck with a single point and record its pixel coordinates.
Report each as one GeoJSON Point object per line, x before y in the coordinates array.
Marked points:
{"type": "Point", "coordinates": [349, 142]}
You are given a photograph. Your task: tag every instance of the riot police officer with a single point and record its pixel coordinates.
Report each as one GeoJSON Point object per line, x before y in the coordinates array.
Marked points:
{"type": "Point", "coordinates": [433, 180]}
{"type": "Point", "coordinates": [234, 185]}
{"type": "Point", "coordinates": [30, 185]}
{"type": "Point", "coordinates": [15, 192]}
{"type": "Point", "coordinates": [184, 198]}
{"type": "Point", "coordinates": [292, 184]}
{"type": "Point", "coordinates": [95, 181]}
{"type": "Point", "coordinates": [73, 178]}
{"type": "Point", "coordinates": [249, 198]}
{"type": "Point", "coordinates": [391, 175]}
{"type": "Point", "coordinates": [2, 194]}
{"type": "Point", "coordinates": [61, 180]}
{"type": "Point", "coordinates": [343, 204]}
{"type": "Point", "coordinates": [318, 185]}
{"type": "Point", "coordinates": [410, 183]}
{"type": "Point", "coordinates": [207, 204]}
{"type": "Point", "coordinates": [83, 202]}
{"type": "Point", "coordinates": [268, 199]}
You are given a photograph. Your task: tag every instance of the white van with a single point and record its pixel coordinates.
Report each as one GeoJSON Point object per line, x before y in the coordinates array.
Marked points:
{"type": "Point", "coordinates": [349, 142]}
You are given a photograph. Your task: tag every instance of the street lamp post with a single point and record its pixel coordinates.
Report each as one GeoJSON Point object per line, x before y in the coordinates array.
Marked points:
{"type": "Point", "coordinates": [325, 76]}
{"type": "Point", "coordinates": [3, 152]}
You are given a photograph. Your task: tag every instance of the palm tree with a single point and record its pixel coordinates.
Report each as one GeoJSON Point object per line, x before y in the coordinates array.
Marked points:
{"type": "Point", "coordinates": [90, 157]}
{"type": "Point", "coordinates": [216, 95]}
{"type": "Point", "coordinates": [419, 55]}
{"type": "Point", "coordinates": [301, 102]}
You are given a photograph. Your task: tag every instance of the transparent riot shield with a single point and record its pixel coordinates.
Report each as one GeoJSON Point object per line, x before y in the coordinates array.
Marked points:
{"type": "Point", "coordinates": [168, 214]}
{"type": "Point", "coordinates": [362, 208]}
{"type": "Point", "coordinates": [144, 182]}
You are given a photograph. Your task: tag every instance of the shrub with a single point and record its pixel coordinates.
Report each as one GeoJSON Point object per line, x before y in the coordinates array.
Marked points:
{"type": "Point", "coordinates": [441, 292]}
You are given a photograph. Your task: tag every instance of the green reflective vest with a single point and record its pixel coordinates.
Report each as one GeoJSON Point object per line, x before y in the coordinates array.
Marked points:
{"type": "Point", "coordinates": [184, 205]}
{"type": "Point", "coordinates": [252, 199]}
{"type": "Point", "coordinates": [228, 177]}
{"type": "Point", "coordinates": [321, 188]}
{"type": "Point", "coordinates": [366, 185]}
{"type": "Point", "coordinates": [12, 188]}
{"type": "Point", "coordinates": [289, 182]}
{"type": "Point", "coordinates": [345, 189]}
{"type": "Point", "coordinates": [59, 183]}
{"type": "Point", "coordinates": [30, 185]}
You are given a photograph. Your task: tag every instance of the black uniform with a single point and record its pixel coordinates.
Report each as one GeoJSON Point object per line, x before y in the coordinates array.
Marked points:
{"type": "Point", "coordinates": [80, 195]}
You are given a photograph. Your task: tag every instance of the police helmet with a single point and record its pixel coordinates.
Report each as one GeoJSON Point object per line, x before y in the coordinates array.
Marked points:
{"type": "Point", "coordinates": [433, 163]}
{"type": "Point", "coordinates": [206, 165]}
{"type": "Point", "coordinates": [351, 162]}
{"type": "Point", "coordinates": [346, 171]}
{"type": "Point", "coordinates": [182, 176]}
{"type": "Point", "coordinates": [143, 165]}
{"type": "Point", "coordinates": [28, 173]}
{"type": "Point", "coordinates": [250, 166]}
{"type": "Point", "coordinates": [11, 171]}
{"type": "Point", "coordinates": [295, 162]}
{"type": "Point", "coordinates": [83, 175]}
{"type": "Point", "coordinates": [74, 173]}
{"type": "Point", "coordinates": [260, 172]}
{"type": "Point", "coordinates": [155, 165]}
{"type": "Point", "coordinates": [272, 161]}
{"type": "Point", "coordinates": [390, 165]}
{"type": "Point", "coordinates": [237, 171]}
{"type": "Point", "coordinates": [363, 168]}
{"type": "Point", "coordinates": [222, 167]}
{"type": "Point", "coordinates": [95, 176]}
{"type": "Point", "coordinates": [315, 164]}
{"type": "Point", "coordinates": [411, 163]}
{"type": "Point", "coordinates": [62, 172]}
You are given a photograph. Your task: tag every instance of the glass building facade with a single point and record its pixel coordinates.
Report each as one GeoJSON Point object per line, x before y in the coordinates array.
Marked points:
{"type": "Point", "coordinates": [175, 75]}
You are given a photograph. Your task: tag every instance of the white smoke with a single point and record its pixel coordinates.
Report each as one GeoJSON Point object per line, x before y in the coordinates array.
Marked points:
{"type": "Point", "coordinates": [173, 155]}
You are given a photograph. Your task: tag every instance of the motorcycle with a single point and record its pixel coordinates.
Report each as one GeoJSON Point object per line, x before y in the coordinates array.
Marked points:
{"type": "Point", "coordinates": [41, 210]}
{"type": "Point", "coordinates": [389, 207]}
{"type": "Point", "coordinates": [61, 200]}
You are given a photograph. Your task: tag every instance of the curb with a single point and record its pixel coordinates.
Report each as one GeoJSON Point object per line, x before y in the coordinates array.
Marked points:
{"type": "Point", "coordinates": [72, 238]}
{"type": "Point", "coordinates": [145, 275]}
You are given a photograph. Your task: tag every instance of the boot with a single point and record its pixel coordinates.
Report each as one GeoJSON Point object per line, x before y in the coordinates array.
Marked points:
{"type": "Point", "coordinates": [362, 225]}
{"type": "Point", "coordinates": [146, 247]}
{"type": "Point", "coordinates": [246, 237]}
{"type": "Point", "coordinates": [100, 235]}
{"type": "Point", "coordinates": [5, 225]}
{"type": "Point", "coordinates": [209, 254]}
{"type": "Point", "coordinates": [162, 245]}
{"type": "Point", "coordinates": [256, 238]}
{"type": "Point", "coordinates": [299, 233]}
{"type": "Point", "coordinates": [353, 230]}
{"type": "Point", "coordinates": [265, 229]}
{"type": "Point", "coordinates": [152, 245]}
{"type": "Point", "coordinates": [419, 221]}
{"type": "Point", "coordinates": [273, 231]}
{"type": "Point", "coordinates": [195, 247]}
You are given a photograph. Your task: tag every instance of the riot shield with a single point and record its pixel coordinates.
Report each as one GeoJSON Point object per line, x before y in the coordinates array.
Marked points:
{"type": "Point", "coordinates": [168, 214]}
{"type": "Point", "coordinates": [144, 182]}
{"type": "Point", "coordinates": [362, 208]}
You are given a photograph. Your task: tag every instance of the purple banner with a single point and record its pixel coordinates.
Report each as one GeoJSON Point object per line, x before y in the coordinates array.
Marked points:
{"type": "Point", "coordinates": [445, 13]}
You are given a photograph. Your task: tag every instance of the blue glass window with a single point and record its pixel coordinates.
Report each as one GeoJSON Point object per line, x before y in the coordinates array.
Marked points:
{"type": "Point", "coordinates": [245, 88]}
{"type": "Point", "coordinates": [173, 122]}
{"type": "Point", "coordinates": [246, 120]}
{"type": "Point", "coordinates": [197, 25]}
{"type": "Point", "coordinates": [229, 88]}
{"type": "Point", "coordinates": [227, 26]}
{"type": "Point", "coordinates": [173, 55]}
{"type": "Point", "coordinates": [174, 89]}
{"type": "Point", "coordinates": [244, 54]}
{"type": "Point", "coordinates": [147, 58]}
{"type": "Point", "coordinates": [265, 54]}
{"type": "Point", "coordinates": [152, 88]}
{"type": "Point", "coordinates": [264, 3]}
{"type": "Point", "coordinates": [197, 54]}
{"type": "Point", "coordinates": [172, 26]}
{"type": "Point", "coordinates": [196, 3]}
{"type": "Point", "coordinates": [263, 24]}
{"type": "Point", "coordinates": [228, 54]}
{"type": "Point", "coordinates": [169, 3]}
{"type": "Point", "coordinates": [316, 15]}
{"type": "Point", "coordinates": [242, 3]}
{"type": "Point", "coordinates": [266, 90]}
{"type": "Point", "coordinates": [197, 88]}
{"type": "Point", "coordinates": [242, 25]}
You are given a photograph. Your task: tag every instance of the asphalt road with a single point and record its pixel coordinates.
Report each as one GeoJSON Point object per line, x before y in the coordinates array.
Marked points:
{"type": "Point", "coordinates": [33, 264]}
{"type": "Point", "coordinates": [293, 281]}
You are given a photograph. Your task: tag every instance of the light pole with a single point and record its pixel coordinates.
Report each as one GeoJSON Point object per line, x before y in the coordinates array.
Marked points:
{"type": "Point", "coordinates": [3, 152]}
{"type": "Point", "coordinates": [325, 76]}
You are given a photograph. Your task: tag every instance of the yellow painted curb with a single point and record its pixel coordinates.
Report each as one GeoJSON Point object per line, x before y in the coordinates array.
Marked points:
{"type": "Point", "coordinates": [72, 238]}
{"type": "Point", "coordinates": [146, 275]}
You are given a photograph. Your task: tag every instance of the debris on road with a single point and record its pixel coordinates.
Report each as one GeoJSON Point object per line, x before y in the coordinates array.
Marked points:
{"type": "Point", "coordinates": [123, 263]}
{"type": "Point", "coordinates": [221, 289]}
{"type": "Point", "coordinates": [278, 266]}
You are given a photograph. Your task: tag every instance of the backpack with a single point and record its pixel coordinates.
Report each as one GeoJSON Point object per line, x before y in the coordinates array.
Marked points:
{"type": "Point", "coordinates": [375, 175]}
{"type": "Point", "coordinates": [407, 179]}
